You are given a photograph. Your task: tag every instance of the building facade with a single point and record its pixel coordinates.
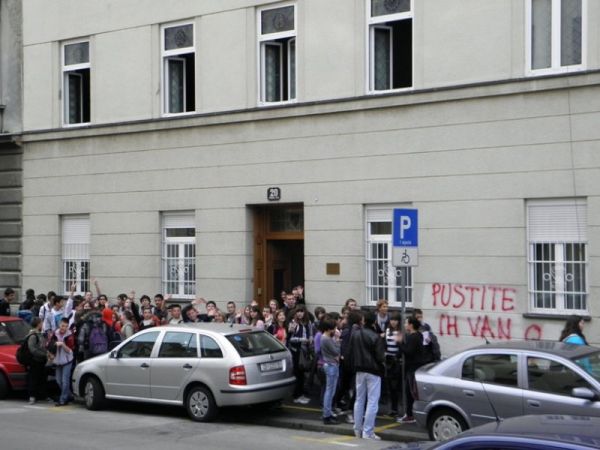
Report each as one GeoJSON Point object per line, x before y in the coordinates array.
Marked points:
{"type": "Point", "coordinates": [234, 149]}
{"type": "Point", "coordinates": [11, 153]}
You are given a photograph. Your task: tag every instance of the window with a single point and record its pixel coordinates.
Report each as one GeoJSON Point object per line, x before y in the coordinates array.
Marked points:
{"type": "Point", "coordinates": [140, 346]}
{"type": "Point", "coordinates": [75, 238]}
{"type": "Point", "coordinates": [550, 376]}
{"type": "Point", "coordinates": [179, 255]}
{"type": "Point", "coordinates": [494, 369]}
{"type": "Point", "coordinates": [384, 281]}
{"type": "Point", "coordinates": [76, 82]}
{"type": "Point", "coordinates": [209, 348]}
{"type": "Point", "coordinates": [557, 35]}
{"type": "Point", "coordinates": [389, 25]}
{"type": "Point", "coordinates": [255, 344]}
{"type": "Point", "coordinates": [557, 235]}
{"type": "Point", "coordinates": [178, 345]}
{"type": "Point", "coordinates": [277, 52]}
{"type": "Point", "coordinates": [178, 58]}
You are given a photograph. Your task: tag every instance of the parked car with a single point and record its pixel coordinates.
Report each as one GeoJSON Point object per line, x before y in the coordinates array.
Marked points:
{"type": "Point", "coordinates": [200, 366]}
{"type": "Point", "coordinates": [12, 374]}
{"type": "Point", "coordinates": [533, 432]}
{"type": "Point", "coordinates": [504, 380]}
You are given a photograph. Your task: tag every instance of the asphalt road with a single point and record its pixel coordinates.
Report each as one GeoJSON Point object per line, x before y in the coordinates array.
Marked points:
{"type": "Point", "coordinates": [137, 426]}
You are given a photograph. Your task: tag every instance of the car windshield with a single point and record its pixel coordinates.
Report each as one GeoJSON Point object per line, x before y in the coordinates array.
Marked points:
{"type": "Point", "coordinates": [590, 363]}
{"type": "Point", "coordinates": [254, 344]}
{"type": "Point", "coordinates": [13, 332]}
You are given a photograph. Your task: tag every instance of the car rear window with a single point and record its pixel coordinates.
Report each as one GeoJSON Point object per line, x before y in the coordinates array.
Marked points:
{"type": "Point", "coordinates": [13, 332]}
{"type": "Point", "coordinates": [255, 343]}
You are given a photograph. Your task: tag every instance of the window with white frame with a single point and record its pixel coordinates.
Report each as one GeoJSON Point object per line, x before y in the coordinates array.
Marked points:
{"type": "Point", "coordinates": [557, 235]}
{"type": "Point", "coordinates": [277, 53]}
{"type": "Point", "coordinates": [178, 74]}
{"type": "Point", "coordinates": [75, 240]}
{"type": "Point", "coordinates": [384, 281]}
{"type": "Point", "coordinates": [390, 53]}
{"type": "Point", "coordinates": [76, 82]}
{"type": "Point", "coordinates": [556, 35]}
{"type": "Point", "coordinates": [179, 255]}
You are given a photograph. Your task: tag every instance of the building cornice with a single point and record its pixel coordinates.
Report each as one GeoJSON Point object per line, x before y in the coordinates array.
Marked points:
{"type": "Point", "coordinates": [323, 107]}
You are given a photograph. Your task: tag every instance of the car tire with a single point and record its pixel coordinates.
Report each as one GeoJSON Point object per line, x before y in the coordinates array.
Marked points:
{"type": "Point", "coordinates": [93, 394]}
{"type": "Point", "coordinates": [200, 404]}
{"type": "Point", "coordinates": [445, 424]}
{"type": "Point", "coordinates": [4, 387]}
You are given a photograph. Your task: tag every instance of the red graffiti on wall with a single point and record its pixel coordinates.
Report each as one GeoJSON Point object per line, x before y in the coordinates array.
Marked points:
{"type": "Point", "coordinates": [484, 326]}
{"type": "Point", "coordinates": [473, 297]}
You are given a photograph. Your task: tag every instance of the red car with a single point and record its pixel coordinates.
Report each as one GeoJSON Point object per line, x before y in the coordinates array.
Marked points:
{"type": "Point", "coordinates": [12, 374]}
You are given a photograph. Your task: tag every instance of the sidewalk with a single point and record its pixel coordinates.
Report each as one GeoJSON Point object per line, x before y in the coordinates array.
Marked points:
{"type": "Point", "coordinates": [309, 418]}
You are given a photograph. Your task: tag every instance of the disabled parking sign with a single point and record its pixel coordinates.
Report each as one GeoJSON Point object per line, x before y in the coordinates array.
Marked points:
{"type": "Point", "coordinates": [405, 238]}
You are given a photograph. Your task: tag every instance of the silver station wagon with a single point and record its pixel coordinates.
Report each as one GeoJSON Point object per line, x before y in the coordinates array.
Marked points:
{"type": "Point", "coordinates": [494, 382]}
{"type": "Point", "coordinates": [200, 366]}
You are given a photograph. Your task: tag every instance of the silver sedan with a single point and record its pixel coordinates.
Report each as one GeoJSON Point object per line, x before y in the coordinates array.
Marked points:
{"type": "Point", "coordinates": [494, 382]}
{"type": "Point", "coordinates": [199, 366]}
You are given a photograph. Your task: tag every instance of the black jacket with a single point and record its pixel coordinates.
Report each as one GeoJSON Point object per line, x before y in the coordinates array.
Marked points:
{"type": "Point", "coordinates": [4, 307]}
{"type": "Point", "coordinates": [412, 349]}
{"type": "Point", "coordinates": [367, 351]}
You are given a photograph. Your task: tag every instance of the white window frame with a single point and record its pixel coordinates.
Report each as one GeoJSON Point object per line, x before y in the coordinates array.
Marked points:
{"type": "Point", "coordinates": [75, 248]}
{"type": "Point", "coordinates": [172, 54]}
{"type": "Point", "coordinates": [266, 38]}
{"type": "Point", "coordinates": [67, 70]}
{"type": "Point", "coordinates": [384, 214]}
{"type": "Point", "coordinates": [555, 50]}
{"type": "Point", "coordinates": [557, 272]}
{"type": "Point", "coordinates": [173, 220]}
{"type": "Point", "coordinates": [373, 22]}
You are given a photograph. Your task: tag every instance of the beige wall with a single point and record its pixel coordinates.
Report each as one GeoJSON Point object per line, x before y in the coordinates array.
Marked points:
{"type": "Point", "coordinates": [471, 41]}
{"type": "Point", "coordinates": [468, 165]}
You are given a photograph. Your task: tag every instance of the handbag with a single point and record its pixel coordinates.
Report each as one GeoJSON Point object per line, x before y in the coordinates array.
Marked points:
{"type": "Point", "coordinates": [305, 360]}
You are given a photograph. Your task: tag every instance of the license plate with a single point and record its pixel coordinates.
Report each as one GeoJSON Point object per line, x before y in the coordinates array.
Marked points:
{"type": "Point", "coordinates": [271, 366]}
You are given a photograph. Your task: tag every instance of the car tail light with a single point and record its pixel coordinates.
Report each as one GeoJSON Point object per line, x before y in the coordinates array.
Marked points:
{"type": "Point", "coordinates": [237, 376]}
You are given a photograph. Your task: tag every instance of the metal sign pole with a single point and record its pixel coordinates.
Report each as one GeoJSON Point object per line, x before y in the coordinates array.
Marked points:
{"type": "Point", "coordinates": [403, 317]}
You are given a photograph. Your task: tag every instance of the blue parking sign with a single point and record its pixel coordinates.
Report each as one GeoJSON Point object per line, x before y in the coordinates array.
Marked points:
{"type": "Point", "coordinates": [405, 231]}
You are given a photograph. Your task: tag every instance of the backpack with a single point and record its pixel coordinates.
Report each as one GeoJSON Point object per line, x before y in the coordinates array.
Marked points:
{"type": "Point", "coordinates": [98, 342]}
{"type": "Point", "coordinates": [436, 351]}
{"type": "Point", "coordinates": [24, 356]}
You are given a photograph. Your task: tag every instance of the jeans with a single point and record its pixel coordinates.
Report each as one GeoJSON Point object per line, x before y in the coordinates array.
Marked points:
{"type": "Point", "coordinates": [332, 373]}
{"type": "Point", "coordinates": [63, 379]}
{"type": "Point", "coordinates": [368, 390]}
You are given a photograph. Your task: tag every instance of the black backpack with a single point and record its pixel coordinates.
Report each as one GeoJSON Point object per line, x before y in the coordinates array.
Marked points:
{"type": "Point", "coordinates": [24, 356]}
{"type": "Point", "coordinates": [436, 351]}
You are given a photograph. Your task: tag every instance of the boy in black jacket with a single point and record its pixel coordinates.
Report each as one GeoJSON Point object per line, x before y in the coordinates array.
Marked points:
{"type": "Point", "coordinates": [410, 344]}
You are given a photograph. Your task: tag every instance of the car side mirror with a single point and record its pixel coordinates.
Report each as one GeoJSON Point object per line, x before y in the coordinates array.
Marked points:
{"type": "Point", "coordinates": [114, 354]}
{"type": "Point", "coordinates": [584, 393]}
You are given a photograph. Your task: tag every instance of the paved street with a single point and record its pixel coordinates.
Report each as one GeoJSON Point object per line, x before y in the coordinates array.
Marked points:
{"type": "Point", "coordinates": [127, 425]}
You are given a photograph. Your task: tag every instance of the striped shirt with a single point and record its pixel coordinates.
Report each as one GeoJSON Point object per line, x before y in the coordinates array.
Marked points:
{"type": "Point", "coordinates": [391, 343]}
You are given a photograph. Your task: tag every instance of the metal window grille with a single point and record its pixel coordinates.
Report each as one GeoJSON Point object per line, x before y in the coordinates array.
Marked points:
{"type": "Point", "coordinates": [558, 280]}
{"type": "Point", "coordinates": [384, 281]}
{"type": "Point", "coordinates": [179, 256]}
{"type": "Point", "coordinates": [75, 254]}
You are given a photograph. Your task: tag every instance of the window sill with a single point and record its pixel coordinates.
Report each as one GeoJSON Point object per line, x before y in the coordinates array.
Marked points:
{"type": "Point", "coordinates": [561, 317]}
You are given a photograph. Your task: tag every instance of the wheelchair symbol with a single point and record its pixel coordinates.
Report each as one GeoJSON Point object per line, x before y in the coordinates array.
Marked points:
{"type": "Point", "coordinates": [405, 257]}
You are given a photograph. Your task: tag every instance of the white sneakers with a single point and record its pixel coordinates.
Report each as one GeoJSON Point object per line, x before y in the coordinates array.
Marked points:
{"type": "Point", "coordinates": [372, 437]}
{"type": "Point", "coordinates": [302, 400]}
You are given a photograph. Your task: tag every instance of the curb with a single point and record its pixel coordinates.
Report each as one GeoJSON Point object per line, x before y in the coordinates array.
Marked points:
{"type": "Point", "coordinates": [387, 432]}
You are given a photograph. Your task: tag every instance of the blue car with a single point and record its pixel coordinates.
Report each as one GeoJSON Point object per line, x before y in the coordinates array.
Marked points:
{"type": "Point", "coordinates": [534, 432]}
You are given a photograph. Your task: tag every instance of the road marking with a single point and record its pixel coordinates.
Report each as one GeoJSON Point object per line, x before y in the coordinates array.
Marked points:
{"type": "Point", "coordinates": [388, 426]}
{"type": "Point", "coordinates": [309, 409]}
{"type": "Point", "coordinates": [330, 441]}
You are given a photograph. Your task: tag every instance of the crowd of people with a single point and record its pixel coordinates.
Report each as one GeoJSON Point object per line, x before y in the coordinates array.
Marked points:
{"type": "Point", "coordinates": [352, 353]}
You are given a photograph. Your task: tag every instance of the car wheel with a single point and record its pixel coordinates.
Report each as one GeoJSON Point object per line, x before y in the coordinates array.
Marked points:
{"type": "Point", "coordinates": [445, 424]}
{"type": "Point", "coordinates": [200, 404]}
{"type": "Point", "coordinates": [93, 394]}
{"type": "Point", "coordinates": [4, 388]}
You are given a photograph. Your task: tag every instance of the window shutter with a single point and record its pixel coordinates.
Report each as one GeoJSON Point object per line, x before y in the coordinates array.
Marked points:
{"type": "Point", "coordinates": [179, 220]}
{"type": "Point", "coordinates": [76, 230]}
{"type": "Point", "coordinates": [557, 221]}
{"type": "Point", "coordinates": [380, 215]}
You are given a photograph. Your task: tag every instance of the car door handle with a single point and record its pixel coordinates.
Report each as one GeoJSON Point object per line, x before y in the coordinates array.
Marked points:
{"type": "Point", "coordinates": [534, 403]}
{"type": "Point", "coordinates": [187, 366]}
{"type": "Point", "coordinates": [144, 366]}
{"type": "Point", "coordinates": [469, 393]}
